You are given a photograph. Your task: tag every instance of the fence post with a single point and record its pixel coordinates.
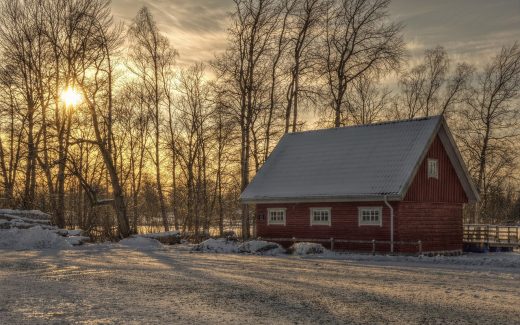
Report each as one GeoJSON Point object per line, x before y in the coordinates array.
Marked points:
{"type": "Point", "coordinates": [373, 247]}
{"type": "Point", "coordinates": [294, 240]}
{"type": "Point", "coordinates": [419, 244]}
{"type": "Point", "coordinates": [331, 243]}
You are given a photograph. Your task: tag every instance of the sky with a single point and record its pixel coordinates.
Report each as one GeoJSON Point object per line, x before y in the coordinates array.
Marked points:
{"type": "Point", "coordinates": [471, 30]}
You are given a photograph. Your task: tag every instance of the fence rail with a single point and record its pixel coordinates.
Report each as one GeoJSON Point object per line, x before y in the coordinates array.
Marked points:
{"type": "Point", "coordinates": [334, 241]}
{"type": "Point", "coordinates": [494, 235]}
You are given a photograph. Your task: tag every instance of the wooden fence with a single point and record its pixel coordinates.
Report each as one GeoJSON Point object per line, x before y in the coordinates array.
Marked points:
{"type": "Point", "coordinates": [333, 241]}
{"type": "Point", "coordinates": [492, 235]}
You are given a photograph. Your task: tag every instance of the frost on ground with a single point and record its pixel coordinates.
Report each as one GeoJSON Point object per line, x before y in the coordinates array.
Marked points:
{"type": "Point", "coordinates": [116, 284]}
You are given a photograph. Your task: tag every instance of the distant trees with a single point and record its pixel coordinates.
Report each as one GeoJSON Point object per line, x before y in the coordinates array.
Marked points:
{"type": "Point", "coordinates": [155, 146]}
{"type": "Point", "coordinates": [489, 123]}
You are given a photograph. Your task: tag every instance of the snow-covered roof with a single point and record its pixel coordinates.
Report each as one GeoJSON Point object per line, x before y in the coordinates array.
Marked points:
{"type": "Point", "coordinates": [352, 163]}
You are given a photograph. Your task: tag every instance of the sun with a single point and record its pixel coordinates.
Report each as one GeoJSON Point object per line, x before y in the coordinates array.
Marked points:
{"type": "Point", "coordinates": [70, 96]}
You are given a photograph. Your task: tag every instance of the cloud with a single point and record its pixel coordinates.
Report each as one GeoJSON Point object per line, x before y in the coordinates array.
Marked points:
{"type": "Point", "coordinates": [197, 29]}
{"type": "Point", "coordinates": [469, 29]}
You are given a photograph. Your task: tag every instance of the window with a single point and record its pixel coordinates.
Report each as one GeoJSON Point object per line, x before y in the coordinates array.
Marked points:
{"type": "Point", "coordinates": [320, 216]}
{"type": "Point", "coordinates": [276, 216]}
{"type": "Point", "coordinates": [433, 168]}
{"type": "Point", "coordinates": [370, 216]}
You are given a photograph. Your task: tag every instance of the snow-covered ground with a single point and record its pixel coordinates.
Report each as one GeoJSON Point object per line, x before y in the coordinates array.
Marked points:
{"type": "Point", "coordinates": [138, 281]}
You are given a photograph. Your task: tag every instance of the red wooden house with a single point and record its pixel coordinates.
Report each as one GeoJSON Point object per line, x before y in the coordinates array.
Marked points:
{"type": "Point", "coordinates": [397, 183]}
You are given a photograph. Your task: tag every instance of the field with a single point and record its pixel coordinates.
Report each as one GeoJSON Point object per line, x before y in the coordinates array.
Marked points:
{"type": "Point", "coordinates": [109, 284]}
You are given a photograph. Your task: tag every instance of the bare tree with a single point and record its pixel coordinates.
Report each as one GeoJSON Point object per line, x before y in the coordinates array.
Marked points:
{"type": "Point", "coordinates": [151, 55]}
{"type": "Point", "coordinates": [135, 119]}
{"type": "Point", "coordinates": [489, 122]}
{"type": "Point", "coordinates": [242, 69]}
{"type": "Point", "coordinates": [94, 75]}
{"type": "Point", "coordinates": [303, 30]}
{"type": "Point", "coordinates": [431, 87]}
{"type": "Point", "coordinates": [12, 134]}
{"type": "Point", "coordinates": [21, 40]}
{"type": "Point", "coordinates": [358, 40]}
{"type": "Point", "coordinates": [366, 101]}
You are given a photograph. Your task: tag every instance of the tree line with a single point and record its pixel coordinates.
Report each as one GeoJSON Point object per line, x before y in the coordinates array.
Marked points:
{"type": "Point", "coordinates": [154, 145]}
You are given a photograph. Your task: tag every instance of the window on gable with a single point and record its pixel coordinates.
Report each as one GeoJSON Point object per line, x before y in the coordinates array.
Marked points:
{"type": "Point", "coordinates": [433, 168]}
{"type": "Point", "coordinates": [320, 216]}
{"type": "Point", "coordinates": [370, 216]}
{"type": "Point", "coordinates": [276, 216]}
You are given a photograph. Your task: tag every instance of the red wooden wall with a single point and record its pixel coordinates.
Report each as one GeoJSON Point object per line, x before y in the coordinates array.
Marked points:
{"type": "Point", "coordinates": [447, 188]}
{"type": "Point", "coordinates": [432, 208]}
{"type": "Point", "coordinates": [438, 226]}
{"type": "Point", "coordinates": [344, 223]}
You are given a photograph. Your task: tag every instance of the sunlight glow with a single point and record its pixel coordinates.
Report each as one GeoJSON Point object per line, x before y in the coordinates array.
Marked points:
{"type": "Point", "coordinates": [71, 97]}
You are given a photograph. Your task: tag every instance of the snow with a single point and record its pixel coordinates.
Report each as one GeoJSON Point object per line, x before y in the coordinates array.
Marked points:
{"type": "Point", "coordinates": [77, 240]}
{"type": "Point", "coordinates": [33, 214]}
{"type": "Point", "coordinates": [141, 243]}
{"type": "Point", "coordinates": [75, 232]}
{"type": "Point", "coordinates": [307, 248]}
{"type": "Point", "coordinates": [261, 247]}
{"type": "Point", "coordinates": [223, 245]}
{"type": "Point", "coordinates": [93, 285]}
{"type": "Point", "coordinates": [31, 229]}
{"type": "Point", "coordinates": [32, 238]}
{"type": "Point", "coordinates": [219, 245]}
{"type": "Point", "coordinates": [489, 260]}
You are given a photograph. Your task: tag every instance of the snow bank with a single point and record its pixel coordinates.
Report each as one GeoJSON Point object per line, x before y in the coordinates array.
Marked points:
{"type": "Point", "coordinates": [141, 243]}
{"type": "Point", "coordinates": [261, 247]}
{"type": "Point", "coordinates": [219, 245]}
{"type": "Point", "coordinates": [28, 214]}
{"type": "Point", "coordinates": [307, 248]}
{"type": "Point", "coordinates": [32, 238]}
{"type": "Point", "coordinates": [165, 237]}
{"type": "Point", "coordinates": [222, 245]}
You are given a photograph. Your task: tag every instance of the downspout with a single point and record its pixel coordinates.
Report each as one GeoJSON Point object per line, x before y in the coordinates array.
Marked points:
{"type": "Point", "coordinates": [391, 223]}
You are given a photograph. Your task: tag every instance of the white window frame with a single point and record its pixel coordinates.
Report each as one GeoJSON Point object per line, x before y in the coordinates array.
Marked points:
{"type": "Point", "coordinates": [320, 223]}
{"type": "Point", "coordinates": [276, 223]}
{"type": "Point", "coordinates": [361, 222]}
{"type": "Point", "coordinates": [433, 172]}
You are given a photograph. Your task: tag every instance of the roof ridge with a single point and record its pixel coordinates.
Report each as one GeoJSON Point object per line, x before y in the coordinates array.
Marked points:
{"type": "Point", "coordinates": [417, 119]}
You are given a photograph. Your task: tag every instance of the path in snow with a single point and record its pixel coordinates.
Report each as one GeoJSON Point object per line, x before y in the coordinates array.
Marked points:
{"type": "Point", "coordinates": [122, 285]}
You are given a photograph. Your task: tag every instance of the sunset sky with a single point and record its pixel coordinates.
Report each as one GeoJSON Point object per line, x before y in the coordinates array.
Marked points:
{"type": "Point", "coordinates": [469, 29]}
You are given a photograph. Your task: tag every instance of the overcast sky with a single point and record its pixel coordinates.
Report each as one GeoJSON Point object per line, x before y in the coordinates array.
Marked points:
{"type": "Point", "coordinates": [471, 30]}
